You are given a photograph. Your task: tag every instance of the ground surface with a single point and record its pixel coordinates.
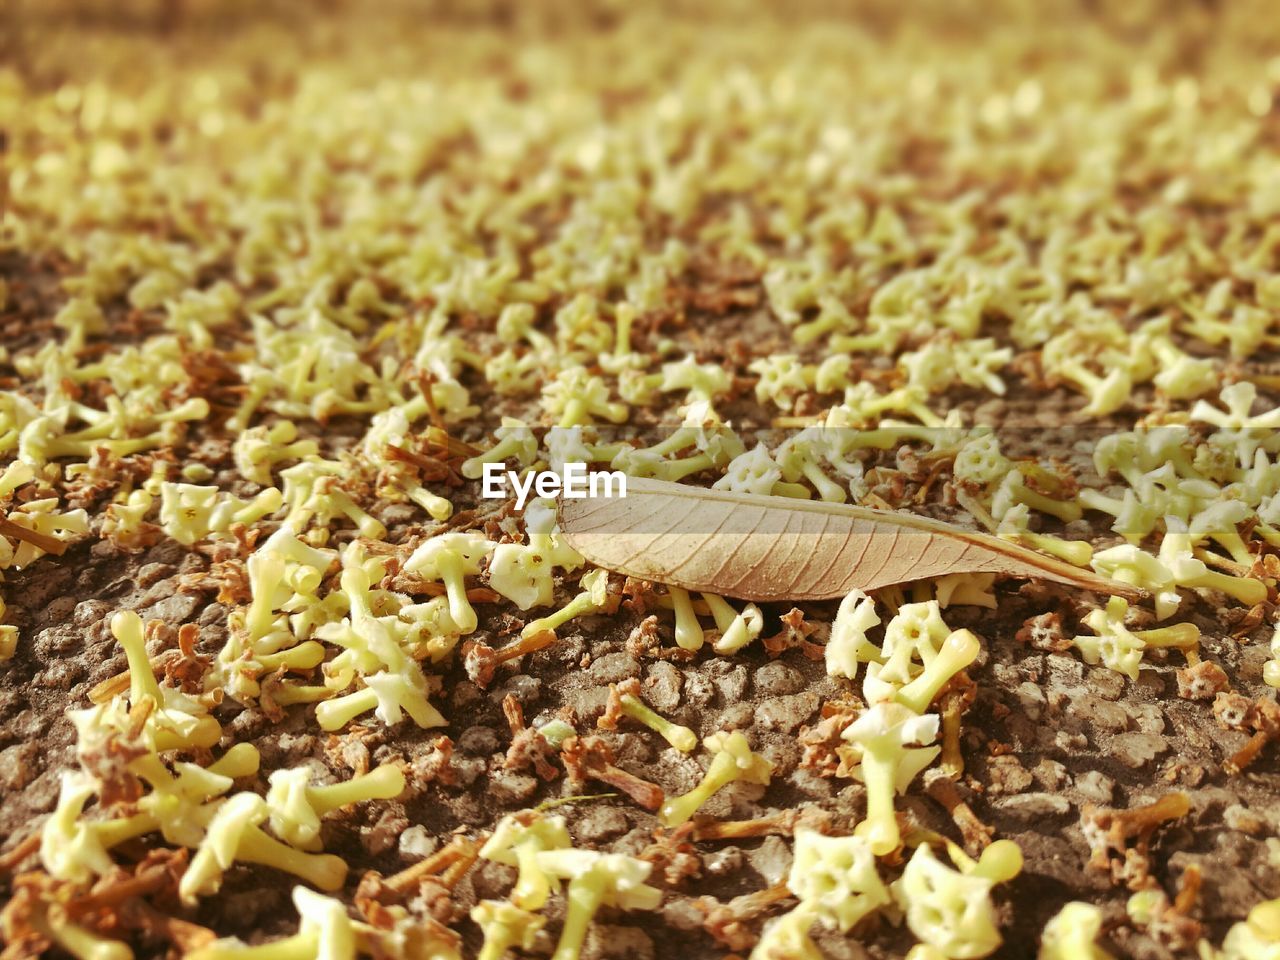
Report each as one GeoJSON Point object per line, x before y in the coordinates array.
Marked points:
{"type": "Point", "coordinates": [1041, 154]}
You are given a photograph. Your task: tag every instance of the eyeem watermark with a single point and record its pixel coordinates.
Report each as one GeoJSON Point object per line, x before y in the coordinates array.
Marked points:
{"type": "Point", "coordinates": [576, 483]}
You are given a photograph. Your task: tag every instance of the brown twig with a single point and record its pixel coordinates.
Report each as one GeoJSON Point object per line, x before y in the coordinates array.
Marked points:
{"type": "Point", "coordinates": [429, 467]}
{"type": "Point", "coordinates": [953, 703]}
{"type": "Point", "coordinates": [481, 660]}
{"type": "Point", "coordinates": [161, 870]}
{"type": "Point", "coordinates": [1238, 712]}
{"type": "Point", "coordinates": [1109, 831]}
{"type": "Point", "coordinates": [1188, 889]}
{"type": "Point", "coordinates": [469, 853]}
{"type": "Point", "coordinates": [589, 758]}
{"type": "Point", "coordinates": [425, 380]}
{"type": "Point", "coordinates": [728, 922]}
{"type": "Point", "coordinates": [976, 834]}
{"type": "Point", "coordinates": [183, 934]}
{"type": "Point", "coordinates": [408, 879]}
{"type": "Point", "coordinates": [529, 748]}
{"type": "Point", "coordinates": [42, 541]}
{"type": "Point", "coordinates": [408, 583]}
{"type": "Point", "coordinates": [25, 848]}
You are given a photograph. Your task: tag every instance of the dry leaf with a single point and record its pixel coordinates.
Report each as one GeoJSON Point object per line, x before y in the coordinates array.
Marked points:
{"type": "Point", "coordinates": [777, 548]}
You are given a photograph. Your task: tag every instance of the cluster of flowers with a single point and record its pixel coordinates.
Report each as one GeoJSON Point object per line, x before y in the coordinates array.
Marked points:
{"type": "Point", "coordinates": [387, 238]}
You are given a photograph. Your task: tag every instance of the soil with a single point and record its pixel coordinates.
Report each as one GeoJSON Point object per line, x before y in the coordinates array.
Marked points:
{"type": "Point", "coordinates": [1046, 737]}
